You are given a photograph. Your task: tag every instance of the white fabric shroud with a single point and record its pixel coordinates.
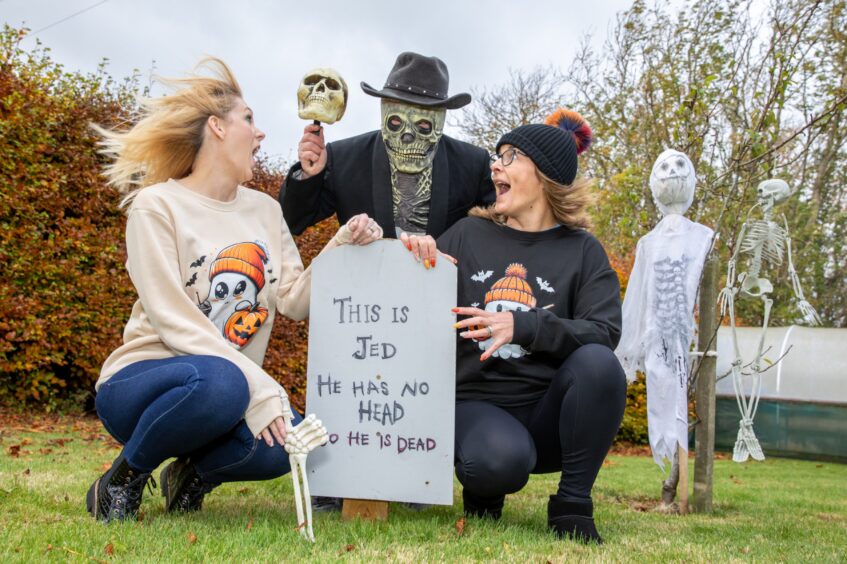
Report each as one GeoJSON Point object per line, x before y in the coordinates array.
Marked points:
{"type": "Point", "coordinates": [658, 325]}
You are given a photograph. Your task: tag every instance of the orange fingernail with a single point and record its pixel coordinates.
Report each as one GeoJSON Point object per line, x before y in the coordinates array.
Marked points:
{"type": "Point", "coordinates": [426, 264]}
{"type": "Point", "coordinates": [433, 262]}
{"type": "Point", "coordinates": [455, 310]}
{"type": "Point", "coordinates": [409, 246]}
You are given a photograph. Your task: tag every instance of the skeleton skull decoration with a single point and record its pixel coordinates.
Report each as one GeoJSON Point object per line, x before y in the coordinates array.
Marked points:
{"type": "Point", "coordinates": [322, 96]}
{"type": "Point", "coordinates": [672, 182]}
{"type": "Point", "coordinates": [411, 135]}
{"type": "Point", "coordinates": [772, 192]}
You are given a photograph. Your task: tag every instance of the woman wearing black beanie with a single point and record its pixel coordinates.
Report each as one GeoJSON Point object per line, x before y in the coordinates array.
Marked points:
{"type": "Point", "coordinates": [539, 389]}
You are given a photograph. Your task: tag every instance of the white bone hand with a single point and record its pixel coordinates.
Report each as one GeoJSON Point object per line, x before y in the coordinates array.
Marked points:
{"type": "Point", "coordinates": [308, 435]}
{"type": "Point", "coordinates": [300, 440]}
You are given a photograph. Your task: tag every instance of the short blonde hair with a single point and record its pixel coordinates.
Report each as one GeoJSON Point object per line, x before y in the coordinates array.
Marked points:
{"type": "Point", "coordinates": [569, 202]}
{"type": "Point", "coordinates": [169, 132]}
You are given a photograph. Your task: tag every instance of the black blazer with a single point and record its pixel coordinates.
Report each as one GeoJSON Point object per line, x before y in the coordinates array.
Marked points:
{"type": "Point", "coordinates": [357, 179]}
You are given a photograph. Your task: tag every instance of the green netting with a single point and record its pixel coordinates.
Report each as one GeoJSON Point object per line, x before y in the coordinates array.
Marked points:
{"type": "Point", "coordinates": [797, 429]}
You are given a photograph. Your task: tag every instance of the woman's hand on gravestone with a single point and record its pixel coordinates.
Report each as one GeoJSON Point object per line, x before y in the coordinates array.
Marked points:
{"type": "Point", "coordinates": [360, 230]}
{"type": "Point", "coordinates": [483, 325]}
{"type": "Point", "coordinates": [424, 250]}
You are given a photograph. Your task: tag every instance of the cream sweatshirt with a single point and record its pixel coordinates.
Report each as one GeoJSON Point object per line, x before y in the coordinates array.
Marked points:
{"type": "Point", "coordinates": [210, 278]}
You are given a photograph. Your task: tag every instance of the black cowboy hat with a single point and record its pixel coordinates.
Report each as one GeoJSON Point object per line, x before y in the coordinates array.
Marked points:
{"type": "Point", "coordinates": [419, 80]}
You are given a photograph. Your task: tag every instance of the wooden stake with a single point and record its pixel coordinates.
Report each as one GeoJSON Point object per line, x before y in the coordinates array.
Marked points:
{"type": "Point", "coordinates": [366, 509]}
{"type": "Point", "coordinates": [704, 396]}
{"type": "Point", "coordinates": [683, 480]}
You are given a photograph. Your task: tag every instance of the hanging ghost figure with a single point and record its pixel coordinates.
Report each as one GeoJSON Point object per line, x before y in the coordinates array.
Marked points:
{"type": "Point", "coordinates": [658, 309]}
{"type": "Point", "coordinates": [766, 242]}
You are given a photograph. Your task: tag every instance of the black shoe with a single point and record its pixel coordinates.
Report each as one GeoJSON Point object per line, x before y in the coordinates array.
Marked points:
{"type": "Point", "coordinates": [116, 495]}
{"type": "Point", "coordinates": [572, 519]}
{"type": "Point", "coordinates": [183, 487]}
{"type": "Point", "coordinates": [483, 507]}
{"type": "Point", "coordinates": [323, 504]}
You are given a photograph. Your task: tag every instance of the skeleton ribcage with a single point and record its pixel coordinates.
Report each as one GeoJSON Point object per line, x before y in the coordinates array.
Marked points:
{"type": "Point", "coordinates": [671, 302]}
{"type": "Point", "coordinates": [765, 240]}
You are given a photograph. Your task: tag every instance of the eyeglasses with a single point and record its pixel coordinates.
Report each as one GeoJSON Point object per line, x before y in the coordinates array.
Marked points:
{"type": "Point", "coordinates": [507, 157]}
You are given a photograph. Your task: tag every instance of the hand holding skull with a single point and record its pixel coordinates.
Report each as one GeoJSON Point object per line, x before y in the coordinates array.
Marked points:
{"type": "Point", "coordinates": [322, 97]}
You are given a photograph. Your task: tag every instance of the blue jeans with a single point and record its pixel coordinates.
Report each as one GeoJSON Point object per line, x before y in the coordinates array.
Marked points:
{"type": "Point", "coordinates": [188, 406]}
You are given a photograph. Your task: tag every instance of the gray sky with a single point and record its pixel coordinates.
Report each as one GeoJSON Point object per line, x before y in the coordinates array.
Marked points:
{"type": "Point", "coordinates": [271, 44]}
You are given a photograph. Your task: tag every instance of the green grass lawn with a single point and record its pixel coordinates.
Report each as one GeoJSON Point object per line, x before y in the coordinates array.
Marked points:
{"type": "Point", "coordinates": [778, 510]}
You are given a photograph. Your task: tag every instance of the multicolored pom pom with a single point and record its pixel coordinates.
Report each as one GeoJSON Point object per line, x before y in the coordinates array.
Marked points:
{"type": "Point", "coordinates": [574, 123]}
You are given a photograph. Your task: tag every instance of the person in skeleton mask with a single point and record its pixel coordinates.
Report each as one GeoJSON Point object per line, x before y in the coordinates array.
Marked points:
{"type": "Point", "coordinates": [408, 176]}
{"type": "Point", "coordinates": [658, 311]}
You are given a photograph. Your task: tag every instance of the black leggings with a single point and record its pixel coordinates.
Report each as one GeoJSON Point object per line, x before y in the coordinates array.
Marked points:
{"type": "Point", "coordinates": [570, 429]}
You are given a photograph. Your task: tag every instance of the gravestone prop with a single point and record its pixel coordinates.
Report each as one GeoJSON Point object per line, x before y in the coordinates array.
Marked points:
{"type": "Point", "coordinates": [381, 373]}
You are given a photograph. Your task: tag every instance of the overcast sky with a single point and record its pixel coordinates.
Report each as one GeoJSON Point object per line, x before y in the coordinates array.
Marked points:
{"type": "Point", "coordinates": [271, 44]}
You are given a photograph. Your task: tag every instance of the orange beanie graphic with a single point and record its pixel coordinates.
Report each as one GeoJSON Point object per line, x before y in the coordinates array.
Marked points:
{"type": "Point", "coordinates": [512, 288]}
{"type": "Point", "coordinates": [242, 258]}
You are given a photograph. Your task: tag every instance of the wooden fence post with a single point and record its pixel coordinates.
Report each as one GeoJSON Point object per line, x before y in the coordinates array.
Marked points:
{"type": "Point", "coordinates": [704, 434]}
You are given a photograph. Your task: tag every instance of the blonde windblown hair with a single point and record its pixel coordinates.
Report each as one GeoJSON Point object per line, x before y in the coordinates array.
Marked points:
{"type": "Point", "coordinates": [569, 203]}
{"type": "Point", "coordinates": [169, 132]}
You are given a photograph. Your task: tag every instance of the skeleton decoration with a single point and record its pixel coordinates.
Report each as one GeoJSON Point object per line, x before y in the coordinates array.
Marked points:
{"type": "Point", "coordinates": [411, 134]}
{"type": "Point", "coordinates": [766, 243]}
{"type": "Point", "coordinates": [322, 96]}
{"type": "Point", "coordinates": [658, 310]}
{"type": "Point", "coordinates": [308, 435]}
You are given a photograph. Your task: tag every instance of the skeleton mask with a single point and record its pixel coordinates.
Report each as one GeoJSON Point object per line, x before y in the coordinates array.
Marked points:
{"type": "Point", "coordinates": [772, 192]}
{"type": "Point", "coordinates": [322, 96]}
{"type": "Point", "coordinates": [672, 182]}
{"type": "Point", "coordinates": [411, 135]}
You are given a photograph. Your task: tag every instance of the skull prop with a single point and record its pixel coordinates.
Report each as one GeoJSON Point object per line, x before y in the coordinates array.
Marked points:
{"type": "Point", "coordinates": [672, 182]}
{"type": "Point", "coordinates": [772, 192]}
{"type": "Point", "coordinates": [322, 96]}
{"type": "Point", "coordinates": [411, 135]}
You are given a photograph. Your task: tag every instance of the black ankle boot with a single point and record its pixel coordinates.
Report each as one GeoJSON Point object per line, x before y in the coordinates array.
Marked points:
{"type": "Point", "coordinates": [116, 495]}
{"type": "Point", "coordinates": [483, 507]}
{"type": "Point", "coordinates": [572, 519]}
{"type": "Point", "coordinates": [183, 487]}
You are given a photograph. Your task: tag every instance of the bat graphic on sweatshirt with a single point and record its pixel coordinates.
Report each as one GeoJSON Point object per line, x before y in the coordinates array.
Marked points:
{"type": "Point", "coordinates": [482, 276]}
{"type": "Point", "coordinates": [544, 285]}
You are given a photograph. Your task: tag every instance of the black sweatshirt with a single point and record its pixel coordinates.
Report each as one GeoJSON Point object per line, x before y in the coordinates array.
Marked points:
{"type": "Point", "coordinates": [562, 292]}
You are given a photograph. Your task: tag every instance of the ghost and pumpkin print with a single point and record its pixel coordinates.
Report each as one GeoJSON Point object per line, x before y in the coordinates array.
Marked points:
{"type": "Point", "coordinates": [237, 275]}
{"type": "Point", "coordinates": [512, 292]}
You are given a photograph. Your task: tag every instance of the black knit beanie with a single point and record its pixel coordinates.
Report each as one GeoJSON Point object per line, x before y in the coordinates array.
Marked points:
{"type": "Point", "coordinates": [553, 146]}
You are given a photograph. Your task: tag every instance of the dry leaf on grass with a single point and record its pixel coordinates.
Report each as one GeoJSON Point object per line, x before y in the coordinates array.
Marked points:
{"type": "Point", "coordinates": [460, 526]}
{"type": "Point", "coordinates": [192, 538]}
{"type": "Point", "coordinates": [109, 549]}
{"type": "Point", "coordinates": [348, 548]}
{"type": "Point", "coordinates": [250, 524]}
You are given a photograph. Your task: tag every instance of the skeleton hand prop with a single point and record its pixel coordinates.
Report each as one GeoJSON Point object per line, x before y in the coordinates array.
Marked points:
{"type": "Point", "coordinates": [299, 442]}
